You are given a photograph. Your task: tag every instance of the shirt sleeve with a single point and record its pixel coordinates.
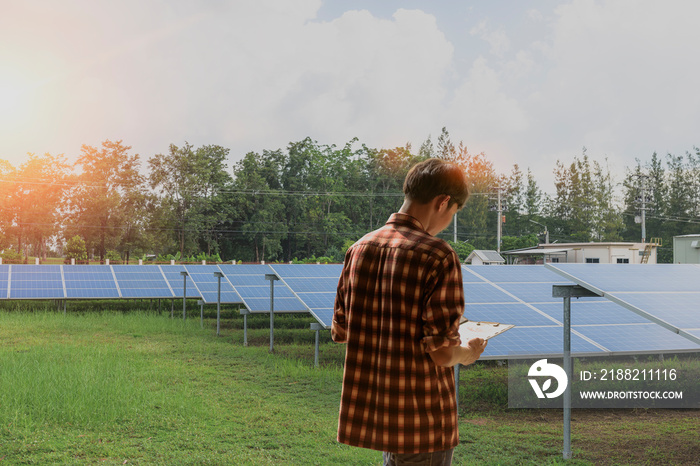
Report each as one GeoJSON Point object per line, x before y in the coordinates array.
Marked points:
{"type": "Point", "coordinates": [443, 306]}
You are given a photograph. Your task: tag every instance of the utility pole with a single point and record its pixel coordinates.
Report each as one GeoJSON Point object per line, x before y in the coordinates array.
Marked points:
{"type": "Point", "coordinates": [643, 200]}
{"type": "Point", "coordinates": [455, 228]}
{"type": "Point", "coordinates": [499, 221]}
{"type": "Point", "coordinates": [546, 232]}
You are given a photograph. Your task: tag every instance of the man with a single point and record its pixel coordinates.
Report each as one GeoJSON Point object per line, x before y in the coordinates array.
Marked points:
{"type": "Point", "coordinates": [398, 306]}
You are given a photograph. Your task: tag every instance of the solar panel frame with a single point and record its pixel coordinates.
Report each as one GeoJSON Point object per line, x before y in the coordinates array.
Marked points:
{"type": "Point", "coordinates": [133, 279]}
{"type": "Point", "coordinates": [294, 272]}
{"type": "Point", "coordinates": [254, 289]}
{"type": "Point", "coordinates": [29, 282]}
{"type": "Point", "coordinates": [608, 281]}
{"type": "Point", "coordinates": [174, 279]}
{"type": "Point", "coordinates": [207, 284]}
{"type": "Point", "coordinates": [4, 281]}
{"type": "Point", "coordinates": [533, 291]}
{"type": "Point", "coordinates": [89, 282]}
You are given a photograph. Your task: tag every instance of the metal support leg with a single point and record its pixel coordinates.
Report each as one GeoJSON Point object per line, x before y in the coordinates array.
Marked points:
{"type": "Point", "coordinates": [316, 327]}
{"type": "Point", "coordinates": [245, 329]}
{"type": "Point", "coordinates": [567, 369]}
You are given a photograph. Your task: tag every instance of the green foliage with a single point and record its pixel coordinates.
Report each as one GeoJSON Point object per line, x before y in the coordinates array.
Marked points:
{"type": "Point", "coordinates": [511, 242]}
{"type": "Point", "coordinates": [463, 249]}
{"type": "Point", "coordinates": [75, 249]}
{"type": "Point", "coordinates": [113, 256]}
{"type": "Point", "coordinates": [10, 255]}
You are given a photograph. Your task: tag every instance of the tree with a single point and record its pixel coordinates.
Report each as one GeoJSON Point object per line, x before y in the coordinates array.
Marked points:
{"type": "Point", "coordinates": [75, 249]}
{"type": "Point", "coordinates": [102, 202]}
{"type": "Point", "coordinates": [34, 201]}
{"type": "Point", "coordinates": [189, 183]}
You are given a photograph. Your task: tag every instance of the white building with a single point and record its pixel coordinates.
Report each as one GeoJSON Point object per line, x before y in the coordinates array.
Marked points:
{"type": "Point", "coordinates": [586, 253]}
{"type": "Point", "coordinates": [485, 257]}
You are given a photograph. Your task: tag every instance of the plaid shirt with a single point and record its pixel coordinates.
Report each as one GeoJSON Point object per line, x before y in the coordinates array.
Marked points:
{"type": "Point", "coordinates": [399, 296]}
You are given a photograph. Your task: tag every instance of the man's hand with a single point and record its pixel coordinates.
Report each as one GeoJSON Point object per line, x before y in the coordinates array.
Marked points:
{"type": "Point", "coordinates": [474, 348]}
{"type": "Point", "coordinates": [450, 355]}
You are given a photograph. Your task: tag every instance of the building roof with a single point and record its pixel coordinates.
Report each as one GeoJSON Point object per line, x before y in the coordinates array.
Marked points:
{"type": "Point", "coordinates": [486, 255]}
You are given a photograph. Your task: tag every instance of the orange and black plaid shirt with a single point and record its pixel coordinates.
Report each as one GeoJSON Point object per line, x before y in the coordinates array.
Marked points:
{"type": "Point", "coordinates": [399, 296]}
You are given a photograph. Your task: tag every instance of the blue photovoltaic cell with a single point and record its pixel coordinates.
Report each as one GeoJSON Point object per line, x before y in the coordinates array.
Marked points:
{"type": "Point", "coordinates": [245, 269]}
{"type": "Point", "coordinates": [593, 312]}
{"type": "Point", "coordinates": [248, 280]}
{"type": "Point", "coordinates": [281, 304]}
{"type": "Point", "coordinates": [281, 291]}
{"type": "Point", "coordinates": [614, 278]}
{"type": "Point", "coordinates": [142, 281]}
{"type": "Point", "coordinates": [172, 274]}
{"type": "Point", "coordinates": [323, 315]}
{"type": "Point", "coordinates": [307, 270]}
{"type": "Point", "coordinates": [315, 284]}
{"type": "Point", "coordinates": [529, 341]}
{"type": "Point", "coordinates": [89, 281]}
{"type": "Point", "coordinates": [511, 313]}
{"type": "Point", "coordinates": [321, 284]}
{"type": "Point", "coordinates": [4, 277]}
{"type": "Point", "coordinates": [250, 283]}
{"type": "Point", "coordinates": [208, 284]}
{"type": "Point", "coordinates": [318, 300]}
{"type": "Point", "coordinates": [515, 274]}
{"type": "Point", "coordinates": [485, 293]}
{"type": "Point", "coordinates": [635, 338]}
{"type": "Point", "coordinates": [36, 282]}
{"type": "Point", "coordinates": [665, 293]}
{"type": "Point", "coordinates": [684, 312]}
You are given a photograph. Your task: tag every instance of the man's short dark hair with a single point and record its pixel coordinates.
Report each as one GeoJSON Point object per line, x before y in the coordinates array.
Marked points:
{"type": "Point", "coordinates": [433, 177]}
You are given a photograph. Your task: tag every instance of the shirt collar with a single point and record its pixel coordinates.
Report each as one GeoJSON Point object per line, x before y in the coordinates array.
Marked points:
{"type": "Point", "coordinates": [405, 220]}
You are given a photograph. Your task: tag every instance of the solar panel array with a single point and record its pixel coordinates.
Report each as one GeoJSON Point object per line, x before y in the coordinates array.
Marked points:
{"type": "Point", "coordinates": [314, 284]}
{"type": "Point", "coordinates": [636, 299]}
{"type": "Point", "coordinates": [667, 294]}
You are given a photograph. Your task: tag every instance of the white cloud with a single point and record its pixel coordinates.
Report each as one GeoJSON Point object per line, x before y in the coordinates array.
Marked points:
{"type": "Point", "coordinates": [497, 39]}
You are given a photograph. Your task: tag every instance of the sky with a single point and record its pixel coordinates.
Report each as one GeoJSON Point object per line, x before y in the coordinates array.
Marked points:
{"type": "Point", "coordinates": [523, 82]}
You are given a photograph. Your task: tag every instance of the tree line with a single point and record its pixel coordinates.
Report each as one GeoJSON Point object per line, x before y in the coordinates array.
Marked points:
{"type": "Point", "coordinates": [312, 200]}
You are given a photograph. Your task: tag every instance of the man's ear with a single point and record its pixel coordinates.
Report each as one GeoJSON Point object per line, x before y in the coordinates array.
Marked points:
{"type": "Point", "coordinates": [442, 202]}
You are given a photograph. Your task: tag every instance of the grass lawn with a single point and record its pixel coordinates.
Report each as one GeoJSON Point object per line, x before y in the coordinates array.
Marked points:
{"type": "Point", "coordinates": [116, 387]}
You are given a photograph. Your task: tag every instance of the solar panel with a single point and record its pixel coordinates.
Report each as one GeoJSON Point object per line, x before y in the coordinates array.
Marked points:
{"type": "Point", "coordinates": [522, 295]}
{"type": "Point", "coordinates": [667, 294]}
{"type": "Point", "coordinates": [89, 282]}
{"type": "Point", "coordinates": [142, 281]}
{"type": "Point", "coordinates": [207, 284]}
{"type": "Point", "coordinates": [314, 284]}
{"type": "Point", "coordinates": [4, 279]}
{"type": "Point", "coordinates": [36, 282]}
{"type": "Point", "coordinates": [250, 283]}
{"type": "Point", "coordinates": [172, 275]}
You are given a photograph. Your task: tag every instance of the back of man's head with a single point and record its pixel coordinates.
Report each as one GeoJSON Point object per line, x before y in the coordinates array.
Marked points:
{"type": "Point", "coordinates": [433, 177]}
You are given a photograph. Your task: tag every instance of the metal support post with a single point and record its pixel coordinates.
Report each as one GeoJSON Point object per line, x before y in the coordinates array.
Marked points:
{"type": "Point", "coordinates": [184, 294]}
{"type": "Point", "coordinates": [245, 313]}
{"type": "Point", "coordinates": [567, 369]}
{"type": "Point", "coordinates": [567, 292]}
{"type": "Point", "coordinates": [218, 275]}
{"type": "Point", "coordinates": [317, 328]}
{"type": "Point", "coordinates": [201, 314]}
{"type": "Point", "coordinates": [272, 277]}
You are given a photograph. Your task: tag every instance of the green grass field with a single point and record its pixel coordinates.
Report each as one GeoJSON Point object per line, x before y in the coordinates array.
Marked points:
{"type": "Point", "coordinates": [105, 386]}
